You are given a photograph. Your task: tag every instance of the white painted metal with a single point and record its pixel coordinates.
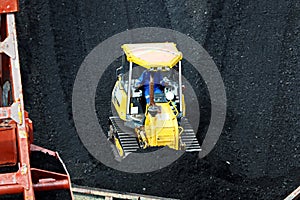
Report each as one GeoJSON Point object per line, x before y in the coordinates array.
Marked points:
{"type": "Point", "coordinates": [294, 195]}
{"type": "Point", "coordinates": [109, 194]}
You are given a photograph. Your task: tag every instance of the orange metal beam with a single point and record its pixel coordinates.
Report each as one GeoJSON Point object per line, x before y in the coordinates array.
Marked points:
{"type": "Point", "coordinates": [11, 189]}
{"type": "Point", "coordinates": [9, 6]}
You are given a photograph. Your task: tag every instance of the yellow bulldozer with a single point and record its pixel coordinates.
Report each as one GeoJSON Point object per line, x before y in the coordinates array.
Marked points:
{"type": "Point", "coordinates": [148, 106]}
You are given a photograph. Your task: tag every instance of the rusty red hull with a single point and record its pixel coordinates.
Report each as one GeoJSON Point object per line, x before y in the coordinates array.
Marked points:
{"type": "Point", "coordinates": [9, 6]}
{"type": "Point", "coordinates": [16, 131]}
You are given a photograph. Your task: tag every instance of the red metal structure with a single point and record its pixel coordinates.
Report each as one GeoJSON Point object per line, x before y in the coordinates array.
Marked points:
{"type": "Point", "coordinates": [16, 132]}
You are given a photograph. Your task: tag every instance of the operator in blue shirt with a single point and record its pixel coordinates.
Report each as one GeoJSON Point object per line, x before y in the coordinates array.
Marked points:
{"type": "Point", "coordinates": [144, 80]}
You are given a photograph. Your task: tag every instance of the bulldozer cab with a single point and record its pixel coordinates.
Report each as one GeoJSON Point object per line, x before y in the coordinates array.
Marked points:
{"type": "Point", "coordinates": [149, 58]}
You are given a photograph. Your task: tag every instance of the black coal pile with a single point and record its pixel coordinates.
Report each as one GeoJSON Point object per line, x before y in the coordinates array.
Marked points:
{"type": "Point", "coordinates": [255, 45]}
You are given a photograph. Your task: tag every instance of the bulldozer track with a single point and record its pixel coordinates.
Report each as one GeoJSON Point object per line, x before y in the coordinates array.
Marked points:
{"type": "Point", "coordinates": [188, 136]}
{"type": "Point", "coordinates": [129, 142]}
{"type": "Point", "coordinates": [126, 138]}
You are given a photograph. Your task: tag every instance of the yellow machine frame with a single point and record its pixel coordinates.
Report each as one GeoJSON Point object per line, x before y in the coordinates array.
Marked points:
{"type": "Point", "coordinates": [161, 129]}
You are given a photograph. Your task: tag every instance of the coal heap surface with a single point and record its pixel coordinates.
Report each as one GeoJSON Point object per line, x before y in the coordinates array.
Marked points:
{"type": "Point", "coordinates": [255, 45]}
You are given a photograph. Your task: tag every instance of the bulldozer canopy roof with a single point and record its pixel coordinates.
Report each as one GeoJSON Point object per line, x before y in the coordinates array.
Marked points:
{"type": "Point", "coordinates": [152, 55]}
